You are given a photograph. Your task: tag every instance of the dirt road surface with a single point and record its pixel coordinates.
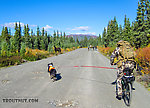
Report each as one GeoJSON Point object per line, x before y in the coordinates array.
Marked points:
{"type": "Point", "coordinates": [29, 86]}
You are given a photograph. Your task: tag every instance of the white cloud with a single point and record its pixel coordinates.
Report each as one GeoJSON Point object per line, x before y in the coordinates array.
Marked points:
{"type": "Point", "coordinates": [87, 33]}
{"type": "Point", "coordinates": [59, 33]}
{"type": "Point", "coordinates": [12, 24]}
{"type": "Point", "coordinates": [33, 25]}
{"type": "Point", "coordinates": [82, 28]}
{"type": "Point", "coordinates": [47, 27]}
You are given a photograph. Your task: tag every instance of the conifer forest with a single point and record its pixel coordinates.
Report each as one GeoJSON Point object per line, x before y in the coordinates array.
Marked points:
{"type": "Point", "coordinates": [29, 45]}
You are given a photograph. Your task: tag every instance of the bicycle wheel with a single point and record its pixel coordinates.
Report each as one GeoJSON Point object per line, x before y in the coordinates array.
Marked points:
{"type": "Point", "coordinates": [127, 94]}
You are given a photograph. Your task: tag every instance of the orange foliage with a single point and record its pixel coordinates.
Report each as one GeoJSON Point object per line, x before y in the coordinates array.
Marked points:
{"type": "Point", "coordinates": [103, 49]}
{"type": "Point", "coordinates": [36, 51]}
{"type": "Point", "coordinates": [73, 48]}
{"type": "Point", "coordinates": [107, 51]}
{"type": "Point", "coordinates": [35, 54]}
{"type": "Point", "coordinates": [67, 49]}
{"type": "Point", "coordinates": [143, 58]}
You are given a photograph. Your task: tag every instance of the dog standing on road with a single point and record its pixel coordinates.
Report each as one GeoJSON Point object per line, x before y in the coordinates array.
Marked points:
{"type": "Point", "coordinates": [52, 71]}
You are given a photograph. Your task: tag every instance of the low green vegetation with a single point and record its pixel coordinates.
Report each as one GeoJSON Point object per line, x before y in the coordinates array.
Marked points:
{"type": "Point", "coordinates": [31, 47]}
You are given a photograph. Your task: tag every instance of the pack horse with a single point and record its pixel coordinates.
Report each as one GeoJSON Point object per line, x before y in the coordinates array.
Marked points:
{"type": "Point", "coordinates": [57, 49]}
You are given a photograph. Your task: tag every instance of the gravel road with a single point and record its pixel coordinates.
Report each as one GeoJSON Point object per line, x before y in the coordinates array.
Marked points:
{"type": "Point", "coordinates": [29, 86]}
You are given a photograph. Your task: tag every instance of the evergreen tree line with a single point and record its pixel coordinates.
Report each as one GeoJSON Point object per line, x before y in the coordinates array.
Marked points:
{"type": "Point", "coordinates": [137, 33]}
{"type": "Point", "coordinates": [16, 44]}
{"type": "Point", "coordinates": [92, 41]}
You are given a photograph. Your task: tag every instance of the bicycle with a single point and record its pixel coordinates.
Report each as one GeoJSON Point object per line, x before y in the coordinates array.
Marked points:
{"type": "Point", "coordinates": [127, 87]}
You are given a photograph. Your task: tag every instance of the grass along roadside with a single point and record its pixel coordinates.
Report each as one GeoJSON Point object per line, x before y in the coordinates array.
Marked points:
{"type": "Point", "coordinates": [28, 56]}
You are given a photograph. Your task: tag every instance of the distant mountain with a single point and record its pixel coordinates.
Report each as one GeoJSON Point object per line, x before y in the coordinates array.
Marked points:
{"type": "Point", "coordinates": [81, 36]}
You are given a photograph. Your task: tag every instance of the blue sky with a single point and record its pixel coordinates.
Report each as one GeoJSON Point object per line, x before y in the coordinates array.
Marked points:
{"type": "Point", "coordinates": [70, 16]}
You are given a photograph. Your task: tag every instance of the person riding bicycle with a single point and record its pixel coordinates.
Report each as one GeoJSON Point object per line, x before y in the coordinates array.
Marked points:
{"type": "Point", "coordinates": [125, 59]}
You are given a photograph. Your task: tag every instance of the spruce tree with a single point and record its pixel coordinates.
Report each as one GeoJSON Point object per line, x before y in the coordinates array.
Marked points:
{"type": "Point", "coordinates": [78, 41]}
{"type": "Point", "coordinates": [46, 38]}
{"type": "Point", "coordinates": [4, 49]}
{"type": "Point", "coordinates": [64, 36]}
{"type": "Point", "coordinates": [138, 27]}
{"type": "Point", "coordinates": [37, 40]}
{"type": "Point", "coordinates": [126, 31]}
{"type": "Point", "coordinates": [107, 37]}
{"type": "Point", "coordinates": [143, 31]}
{"type": "Point", "coordinates": [99, 40]}
{"type": "Point", "coordinates": [6, 35]}
{"type": "Point", "coordinates": [42, 45]}
{"type": "Point", "coordinates": [50, 47]}
{"type": "Point", "coordinates": [32, 39]}
{"type": "Point", "coordinates": [61, 35]}
{"type": "Point", "coordinates": [12, 45]}
{"type": "Point", "coordinates": [104, 38]}
{"type": "Point", "coordinates": [85, 41]}
{"type": "Point", "coordinates": [36, 43]}
{"type": "Point", "coordinates": [120, 33]}
{"type": "Point", "coordinates": [9, 32]}
{"type": "Point", "coordinates": [57, 35]}
{"type": "Point", "coordinates": [115, 32]}
{"type": "Point", "coordinates": [148, 20]}
{"type": "Point", "coordinates": [23, 48]}
{"type": "Point", "coordinates": [17, 37]}
{"type": "Point", "coordinates": [27, 37]}
{"type": "Point", "coordinates": [42, 41]}
{"type": "Point", "coordinates": [54, 36]}
{"type": "Point", "coordinates": [2, 33]}
{"type": "Point", "coordinates": [132, 34]}
{"type": "Point", "coordinates": [140, 34]}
